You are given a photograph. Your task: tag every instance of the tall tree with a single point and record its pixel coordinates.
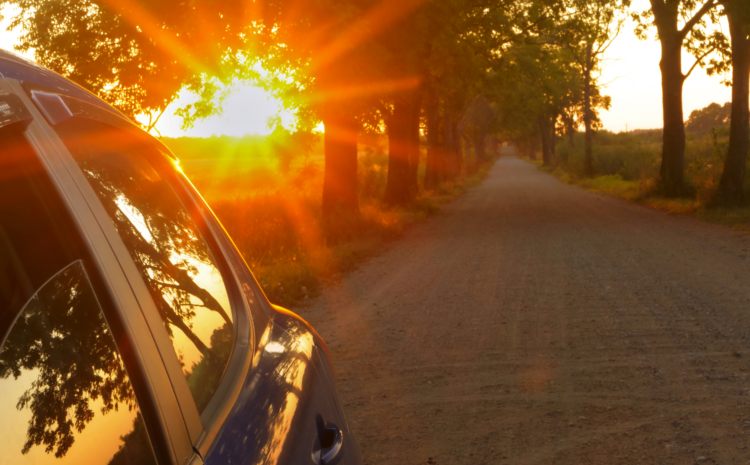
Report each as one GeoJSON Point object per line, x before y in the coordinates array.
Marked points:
{"type": "Point", "coordinates": [673, 36]}
{"type": "Point", "coordinates": [542, 81]}
{"type": "Point", "coordinates": [733, 177]}
{"type": "Point", "coordinates": [592, 29]}
{"type": "Point", "coordinates": [137, 55]}
{"type": "Point", "coordinates": [328, 61]}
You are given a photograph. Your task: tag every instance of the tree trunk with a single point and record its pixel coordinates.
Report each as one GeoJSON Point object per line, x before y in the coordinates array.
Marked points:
{"type": "Point", "coordinates": [546, 128]}
{"type": "Point", "coordinates": [666, 17]}
{"type": "Point", "coordinates": [672, 80]}
{"type": "Point", "coordinates": [457, 150]}
{"type": "Point", "coordinates": [340, 147]}
{"type": "Point", "coordinates": [673, 148]}
{"type": "Point", "coordinates": [450, 139]}
{"type": "Point", "coordinates": [480, 144]}
{"type": "Point", "coordinates": [413, 143]}
{"type": "Point", "coordinates": [733, 176]}
{"type": "Point", "coordinates": [433, 169]}
{"type": "Point", "coordinates": [587, 117]}
{"type": "Point", "coordinates": [530, 148]}
{"type": "Point", "coordinates": [398, 187]}
{"type": "Point", "coordinates": [553, 138]}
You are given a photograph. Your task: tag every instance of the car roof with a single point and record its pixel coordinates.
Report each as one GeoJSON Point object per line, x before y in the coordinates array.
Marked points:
{"type": "Point", "coordinates": [14, 66]}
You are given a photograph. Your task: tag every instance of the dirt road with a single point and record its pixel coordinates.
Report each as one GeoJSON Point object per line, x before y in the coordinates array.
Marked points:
{"type": "Point", "coordinates": [537, 323]}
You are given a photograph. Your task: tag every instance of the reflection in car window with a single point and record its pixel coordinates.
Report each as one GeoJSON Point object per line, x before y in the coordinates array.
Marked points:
{"type": "Point", "coordinates": [165, 244]}
{"type": "Point", "coordinates": [64, 394]}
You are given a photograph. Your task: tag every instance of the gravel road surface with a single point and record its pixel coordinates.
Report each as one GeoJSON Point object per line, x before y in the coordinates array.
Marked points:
{"type": "Point", "coordinates": [537, 323]}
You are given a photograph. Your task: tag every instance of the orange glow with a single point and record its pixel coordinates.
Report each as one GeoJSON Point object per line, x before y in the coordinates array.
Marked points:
{"type": "Point", "coordinates": [166, 40]}
{"type": "Point", "coordinates": [381, 16]}
{"type": "Point", "coordinates": [97, 443]}
{"type": "Point", "coordinates": [363, 90]}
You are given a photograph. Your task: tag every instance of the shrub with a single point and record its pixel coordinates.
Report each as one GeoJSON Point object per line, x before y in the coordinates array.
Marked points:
{"type": "Point", "coordinates": [636, 157]}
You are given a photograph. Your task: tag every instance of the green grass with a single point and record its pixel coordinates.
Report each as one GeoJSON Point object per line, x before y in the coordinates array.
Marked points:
{"type": "Point", "coordinates": [627, 167]}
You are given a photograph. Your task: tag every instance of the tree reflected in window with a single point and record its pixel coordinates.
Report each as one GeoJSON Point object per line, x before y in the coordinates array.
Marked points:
{"type": "Point", "coordinates": [61, 373]}
{"type": "Point", "coordinates": [165, 244]}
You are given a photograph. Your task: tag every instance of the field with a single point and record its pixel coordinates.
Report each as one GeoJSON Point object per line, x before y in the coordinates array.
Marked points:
{"type": "Point", "coordinates": [627, 166]}
{"type": "Point", "coordinates": [268, 199]}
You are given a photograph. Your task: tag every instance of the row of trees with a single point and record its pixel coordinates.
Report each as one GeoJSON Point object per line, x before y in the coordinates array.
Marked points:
{"type": "Point", "coordinates": [568, 78]}
{"type": "Point", "coordinates": [692, 25]}
{"type": "Point", "coordinates": [456, 70]}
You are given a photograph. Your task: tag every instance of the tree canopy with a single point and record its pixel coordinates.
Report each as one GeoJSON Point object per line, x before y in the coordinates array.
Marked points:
{"type": "Point", "coordinates": [402, 68]}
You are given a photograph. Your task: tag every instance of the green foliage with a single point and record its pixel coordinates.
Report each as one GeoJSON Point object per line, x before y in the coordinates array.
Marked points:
{"type": "Point", "coordinates": [627, 164]}
{"type": "Point", "coordinates": [628, 155]}
{"type": "Point", "coordinates": [137, 55]}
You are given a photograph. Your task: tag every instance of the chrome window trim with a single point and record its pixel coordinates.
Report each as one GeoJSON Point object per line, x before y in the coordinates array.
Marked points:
{"type": "Point", "coordinates": [86, 211]}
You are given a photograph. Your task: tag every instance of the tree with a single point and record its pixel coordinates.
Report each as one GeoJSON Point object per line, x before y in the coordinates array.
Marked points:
{"type": "Point", "coordinates": [714, 115]}
{"type": "Point", "coordinates": [593, 28]}
{"type": "Point", "coordinates": [546, 85]}
{"type": "Point", "coordinates": [323, 61]}
{"type": "Point", "coordinates": [542, 81]}
{"type": "Point", "coordinates": [405, 49]}
{"type": "Point", "coordinates": [733, 176]}
{"type": "Point", "coordinates": [665, 15]}
{"type": "Point", "coordinates": [466, 64]}
{"type": "Point", "coordinates": [436, 28]}
{"type": "Point", "coordinates": [476, 123]}
{"type": "Point", "coordinates": [137, 56]}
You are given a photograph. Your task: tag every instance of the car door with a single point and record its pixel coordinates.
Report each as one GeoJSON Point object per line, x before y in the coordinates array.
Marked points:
{"type": "Point", "coordinates": [200, 307]}
{"type": "Point", "coordinates": [67, 377]}
{"type": "Point", "coordinates": [125, 323]}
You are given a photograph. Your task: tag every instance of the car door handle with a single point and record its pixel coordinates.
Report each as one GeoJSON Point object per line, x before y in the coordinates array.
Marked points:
{"type": "Point", "coordinates": [328, 445]}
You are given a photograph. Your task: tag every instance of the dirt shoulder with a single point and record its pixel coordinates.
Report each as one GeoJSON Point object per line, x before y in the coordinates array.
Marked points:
{"type": "Point", "coordinates": [536, 322]}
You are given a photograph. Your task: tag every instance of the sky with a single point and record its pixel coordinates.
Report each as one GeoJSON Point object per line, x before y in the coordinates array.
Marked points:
{"type": "Point", "coordinates": [632, 71]}
{"type": "Point", "coordinates": [631, 74]}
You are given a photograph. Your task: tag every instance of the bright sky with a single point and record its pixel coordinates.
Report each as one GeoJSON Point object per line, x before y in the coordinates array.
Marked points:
{"type": "Point", "coordinates": [635, 82]}
{"type": "Point", "coordinates": [632, 73]}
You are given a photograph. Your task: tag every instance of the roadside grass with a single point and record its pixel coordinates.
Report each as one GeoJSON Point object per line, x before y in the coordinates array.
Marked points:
{"type": "Point", "coordinates": [274, 215]}
{"type": "Point", "coordinates": [627, 167]}
{"type": "Point", "coordinates": [738, 217]}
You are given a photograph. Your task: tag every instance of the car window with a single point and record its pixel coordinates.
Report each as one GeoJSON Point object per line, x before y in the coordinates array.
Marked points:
{"type": "Point", "coordinates": [65, 396]}
{"type": "Point", "coordinates": [131, 180]}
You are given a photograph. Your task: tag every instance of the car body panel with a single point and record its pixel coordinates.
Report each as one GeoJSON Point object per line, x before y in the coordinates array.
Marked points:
{"type": "Point", "coordinates": [281, 381]}
{"type": "Point", "coordinates": [283, 395]}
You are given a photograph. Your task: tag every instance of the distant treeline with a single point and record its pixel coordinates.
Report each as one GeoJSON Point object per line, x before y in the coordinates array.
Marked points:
{"type": "Point", "coordinates": [710, 117]}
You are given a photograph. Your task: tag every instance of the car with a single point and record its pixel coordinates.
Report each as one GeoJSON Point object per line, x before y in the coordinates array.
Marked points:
{"type": "Point", "coordinates": [131, 329]}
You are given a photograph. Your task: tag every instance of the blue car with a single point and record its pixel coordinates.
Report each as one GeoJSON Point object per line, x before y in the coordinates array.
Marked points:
{"type": "Point", "coordinates": [131, 329]}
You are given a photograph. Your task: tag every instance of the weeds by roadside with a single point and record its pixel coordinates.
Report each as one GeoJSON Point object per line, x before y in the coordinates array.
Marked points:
{"type": "Point", "coordinates": [274, 217]}
{"type": "Point", "coordinates": [627, 166]}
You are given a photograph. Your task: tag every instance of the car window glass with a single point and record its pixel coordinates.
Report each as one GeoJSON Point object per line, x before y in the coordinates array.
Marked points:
{"type": "Point", "coordinates": [165, 244]}
{"type": "Point", "coordinates": [64, 394]}
{"type": "Point", "coordinates": [37, 238]}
